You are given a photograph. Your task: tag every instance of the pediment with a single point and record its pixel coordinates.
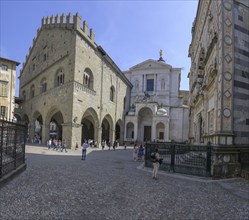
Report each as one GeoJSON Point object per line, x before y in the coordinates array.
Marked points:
{"type": "Point", "coordinates": [153, 64]}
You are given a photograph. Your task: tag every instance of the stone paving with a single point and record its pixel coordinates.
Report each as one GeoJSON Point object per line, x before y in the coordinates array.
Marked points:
{"type": "Point", "coordinates": [109, 185]}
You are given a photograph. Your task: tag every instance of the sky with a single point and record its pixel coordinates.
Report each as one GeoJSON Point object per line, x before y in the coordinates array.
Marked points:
{"type": "Point", "coordinates": [129, 31]}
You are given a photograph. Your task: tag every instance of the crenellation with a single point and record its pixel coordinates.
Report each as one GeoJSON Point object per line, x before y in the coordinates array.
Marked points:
{"type": "Point", "coordinates": [57, 20]}
{"type": "Point", "coordinates": [85, 27]}
{"type": "Point", "coordinates": [43, 21]}
{"type": "Point", "coordinates": [62, 19]}
{"type": "Point", "coordinates": [52, 19]}
{"type": "Point", "coordinates": [92, 34]}
{"type": "Point", "coordinates": [77, 21]}
{"type": "Point", "coordinates": [47, 20]}
{"type": "Point", "coordinates": [69, 20]}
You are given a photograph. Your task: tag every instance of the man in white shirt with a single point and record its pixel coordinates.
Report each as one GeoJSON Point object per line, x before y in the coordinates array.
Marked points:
{"type": "Point", "coordinates": [84, 147]}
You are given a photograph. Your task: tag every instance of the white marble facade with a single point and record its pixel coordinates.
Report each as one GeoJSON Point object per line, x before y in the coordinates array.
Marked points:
{"type": "Point", "coordinates": [156, 109]}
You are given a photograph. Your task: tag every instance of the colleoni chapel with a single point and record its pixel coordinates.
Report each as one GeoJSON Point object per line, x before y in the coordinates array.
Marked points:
{"type": "Point", "coordinates": [72, 90]}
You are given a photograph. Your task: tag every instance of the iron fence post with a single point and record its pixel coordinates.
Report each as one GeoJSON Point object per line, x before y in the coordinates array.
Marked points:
{"type": "Point", "coordinates": [208, 168]}
{"type": "Point", "coordinates": [146, 154]}
{"type": "Point", "coordinates": [15, 141]}
{"type": "Point", "coordinates": [24, 142]}
{"type": "Point", "coordinates": [172, 164]}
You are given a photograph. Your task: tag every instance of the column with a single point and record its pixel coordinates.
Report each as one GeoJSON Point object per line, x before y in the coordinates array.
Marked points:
{"type": "Point", "coordinates": [166, 131]}
{"type": "Point", "coordinates": [45, 133]}
{"type": "Point", "coordinates": [135, 130]}
{"type": "Point", "coordinates": [153, 131]}
{"type": "Point", "coordinates": [99, 138]}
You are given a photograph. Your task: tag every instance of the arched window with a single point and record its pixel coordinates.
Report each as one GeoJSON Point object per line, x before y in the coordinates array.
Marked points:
{"type": "Point", "coordinates": [88, 78]}
{"type": "Point", "coordinates": [32, 91]}
{"type": "Point", "coordinates": [59, 78]}
{"type": "Point", "coordinates": [43, 85]}
{"type": "Point", "coordinates": [112, 93]}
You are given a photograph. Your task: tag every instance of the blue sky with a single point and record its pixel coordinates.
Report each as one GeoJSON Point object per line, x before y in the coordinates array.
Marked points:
{"type": "Point", "coordinates": [130, 31]}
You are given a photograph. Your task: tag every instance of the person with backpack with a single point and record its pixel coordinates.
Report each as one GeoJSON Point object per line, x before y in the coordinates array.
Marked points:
{"type": "Point", "coordinates": [155, 158]}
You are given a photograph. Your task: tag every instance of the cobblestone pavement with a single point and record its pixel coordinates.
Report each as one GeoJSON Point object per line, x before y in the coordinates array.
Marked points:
{"type": "Point", "coordinates": [109, 185]}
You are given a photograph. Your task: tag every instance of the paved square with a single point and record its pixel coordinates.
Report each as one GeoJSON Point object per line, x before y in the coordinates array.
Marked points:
{"type": "Point", "coordinates": [109, 185]}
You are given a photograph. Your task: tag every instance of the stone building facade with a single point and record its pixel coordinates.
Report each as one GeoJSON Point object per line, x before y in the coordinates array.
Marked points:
{"type": "Point", "coordinates": [71, 88]}
{"type": "Point", "coordinates": [156, 107]}
{"type": "Point", "coordinates": [219, 75]}
{"type": "Point", "coordinates": [7, 87]}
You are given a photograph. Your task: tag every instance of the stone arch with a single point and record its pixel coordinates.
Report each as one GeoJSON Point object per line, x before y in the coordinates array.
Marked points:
{"type": "Point", "coordinates": [59, 77]}
{"type": "Point", "coordinates": [90, 124]}
{"type": "Point", "coordinates": [160, 134]}
{"type": "Point", "coordinates": [145, 117]}
{"type": "Point", "coordinates": [119, 131]}
{"type": "Point", "coordinates": [37, 127]}
{"type": "Point", "coordinates": [107, 128]}
{"type": "Point", "coordinates": [54, 122]}
{"type": "Point", "coordinates": [129, 131]}
{"type": "Point", "coordinates": [26, 121]}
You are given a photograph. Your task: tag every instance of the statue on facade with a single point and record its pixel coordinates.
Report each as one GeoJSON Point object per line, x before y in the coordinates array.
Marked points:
{"type": "Point", "coordinates": [161, 56]}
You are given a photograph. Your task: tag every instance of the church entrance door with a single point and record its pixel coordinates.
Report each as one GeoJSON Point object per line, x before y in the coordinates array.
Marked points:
{"type": "Point", "coordinates": [147, 133]}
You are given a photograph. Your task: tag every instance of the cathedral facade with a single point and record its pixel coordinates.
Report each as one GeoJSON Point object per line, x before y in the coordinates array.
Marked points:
{"type": "Point", "coordinates": [71, 89]}
{"type": "Point", "coordinates": [219, 75]}
{"type": "Point", "coordinates": [156, 109]}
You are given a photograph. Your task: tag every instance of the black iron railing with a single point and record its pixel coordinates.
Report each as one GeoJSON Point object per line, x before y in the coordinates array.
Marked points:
{"type": "Point", "coordinates": [244, 158]}
{"type": "Point", "coordinates": [12, 146]}
{"type": "Point", "coordinates": [182, 158]}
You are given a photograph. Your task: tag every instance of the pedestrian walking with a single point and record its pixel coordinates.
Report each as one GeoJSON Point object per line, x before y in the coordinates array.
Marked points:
{"type": "Point", "coordinates": [103, 144]}
{"type": "Point", "coordinates": [155, 159]}
{"type": "Point", "coordinates": [140, 152]}
{"type": "Point", "coordinates": [135, 152]}
{"type": "Point", "coordinates": [49, 143]}
{"type": "Point", "coordinates": [114, 145]}
{"type": "Point", "coordinates": [64, 146]}
{"type": "Point", "coordinates": [109, 144]}
{"type": "Point", "coordinates": [84, 147]}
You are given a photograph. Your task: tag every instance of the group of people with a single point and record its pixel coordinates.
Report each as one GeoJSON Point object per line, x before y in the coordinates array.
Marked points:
{"type": "Point", "coordinates": [57, 145]}
{"type": "Point", "coordinates": [109, 144]}
{"type": "Point", "coordinates": [139, 155]}
{"type": "Point", "coordinates": [138, 152]}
